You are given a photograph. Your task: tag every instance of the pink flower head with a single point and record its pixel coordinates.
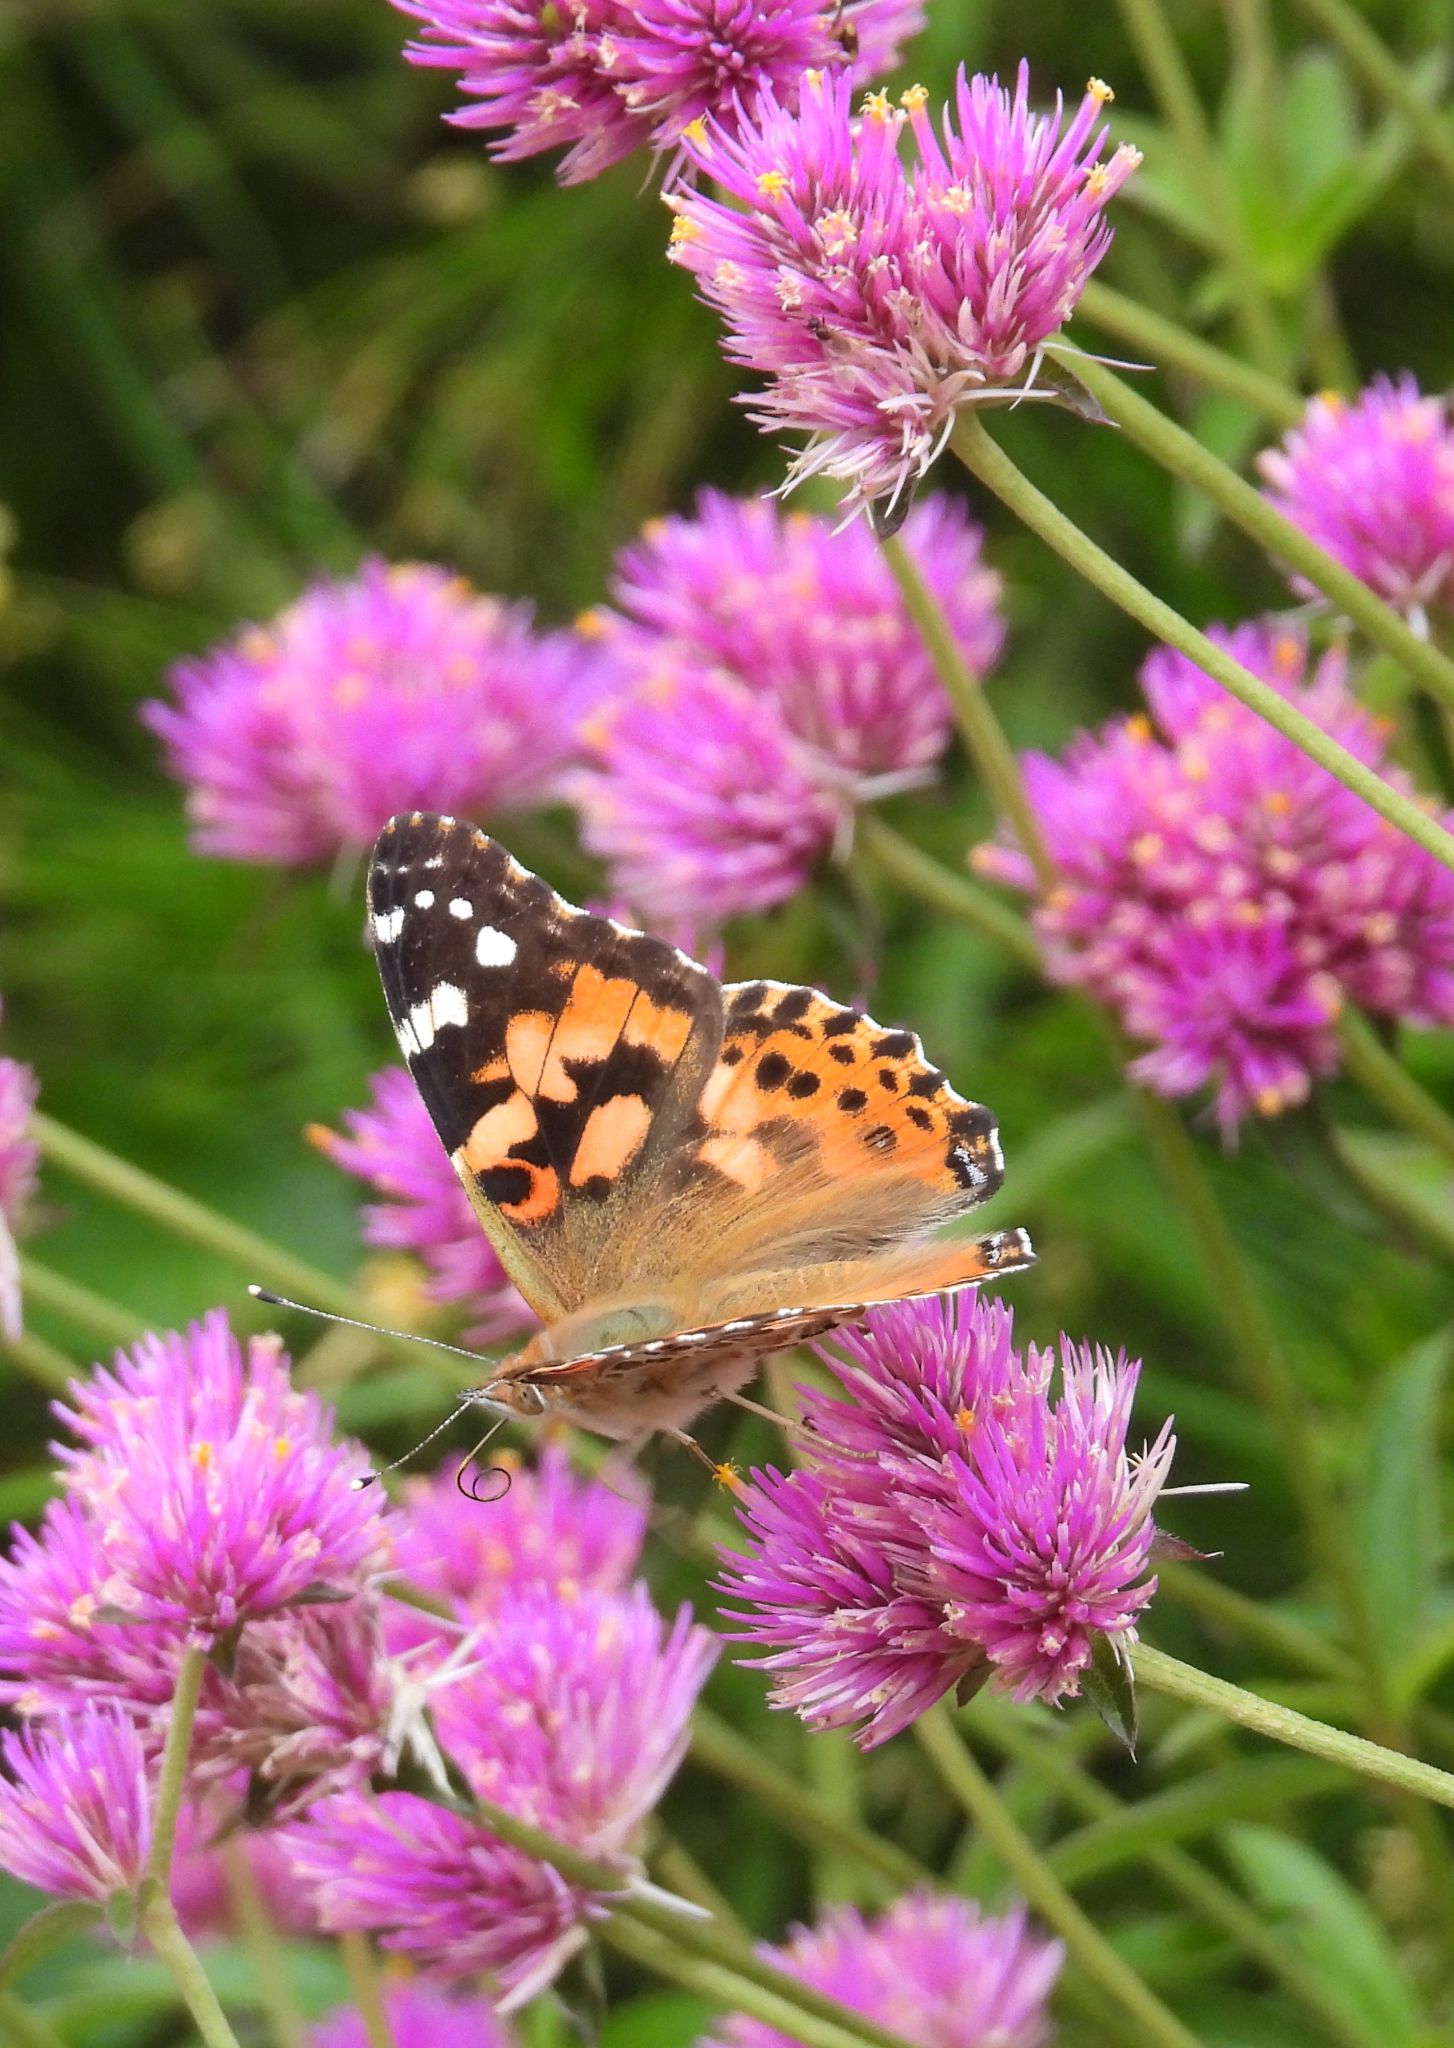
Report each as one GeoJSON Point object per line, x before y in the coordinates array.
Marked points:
{"type": "Point", "coordinates": [1372, 482]}
{"type": "Point", "coordinates": [397, 687]}
{"type": "Point", "coordinates": [215, 1488]}
{"type": "Point", "coordinates": [939, 1971]}
{"type": "Point", "coordinates": [420, 2016]}
{"type": "Point", "coordinates": [201, 1887]}
{"type": "Point", "coordinates": [810, 617]}
{"type": "Point", "coordinates": [953, 1520]}
{"type": "Point", "coordinates": [561, 1532]}
{"type": "Point", "coordinates": [393, 1146]}
{"type": "Point", "coordinates": [877, 299]}
{"type": "Point", "coordinates": [1223, 893]}
{"type": "Point", "coordinates": [702, 801]}
{"type": "Point", "coordinates": [75, 1805]}
{"type": "Point", "coordinates": [19, 1157]}
{"type": "Point", "coordinates": [600, 78]}
{"type": "Point", "coordinates": [575, 1720]}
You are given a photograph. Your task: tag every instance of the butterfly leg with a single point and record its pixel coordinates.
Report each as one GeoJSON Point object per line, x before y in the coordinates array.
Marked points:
{"type": "Point", "coordinates": [725, 1475]}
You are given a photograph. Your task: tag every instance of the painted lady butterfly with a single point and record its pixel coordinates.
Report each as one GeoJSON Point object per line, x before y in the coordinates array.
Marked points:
{"type": "Point", "coordinates": [680, 1178]}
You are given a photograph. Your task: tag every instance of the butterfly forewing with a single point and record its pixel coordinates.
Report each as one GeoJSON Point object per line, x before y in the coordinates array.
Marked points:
{"type": "Point", "coordinates": [559, 1055]}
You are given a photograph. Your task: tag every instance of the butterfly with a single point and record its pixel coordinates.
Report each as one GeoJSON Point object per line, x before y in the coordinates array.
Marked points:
{"type": "Point", "coordinates": [680, 1177]}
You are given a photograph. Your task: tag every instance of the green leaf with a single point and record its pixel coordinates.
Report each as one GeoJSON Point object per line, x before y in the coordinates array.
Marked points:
{"type": "Point", "coordinates": [1331, 1926]}
{"type": "Point", "coordinates": [1111, 1689]}
{"type": "Point", "coordinates": [61, 1921]}
{"type": "Point", "coordinates": [1398, 1512]}
{"type": "Point", "coordinates": [657, 2019]}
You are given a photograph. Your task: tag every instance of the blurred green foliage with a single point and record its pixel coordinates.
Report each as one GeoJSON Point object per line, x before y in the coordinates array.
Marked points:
{"type": "Point", "coordinates": [262, 314]}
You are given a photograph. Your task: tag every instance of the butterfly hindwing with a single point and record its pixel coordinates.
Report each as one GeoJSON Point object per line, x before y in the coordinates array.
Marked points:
{"type": "Point", "coordinates": [559, 1055]}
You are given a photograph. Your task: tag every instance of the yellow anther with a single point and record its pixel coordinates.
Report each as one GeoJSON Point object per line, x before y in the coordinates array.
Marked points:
{"type": "Point", "coordinates": [914, 97]}
{"type": "Point", "coordinates": [282, 1447]}
{"type": "Point", "coordinates": [592, 624]}
{"type": "Point", "coordinates": [695, 133]}
{"type": "Point", "coordinates": [202, 1454]}
{"type": "Point", "coordinates": [1099, 90]}
{"type": "Point", "coordinates": [877, 106]}
{"type": "Point", "coordinates": [1278, 802]}
{"type": "Point", "coordinates": [685, 229]}
{"type": "Point", "coordinates": [964, 1421]}
{"type": "Point", "coordinates": [1138, 728]}
{"type": "Point", "coordinates": [729, 1477]}
{"type": "Point", "coordinates": [772, 184]}
{"type": "Point", "coordinates": [1269, 1101]}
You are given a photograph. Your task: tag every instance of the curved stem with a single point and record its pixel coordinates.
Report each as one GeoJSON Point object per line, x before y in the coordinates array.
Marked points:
{"type": "Point", "coordinates": [44, 1363]}
{"type": "Point", "coordinates": [990, 751]}
{"type": "Point", "coordinates": [1382, 1076]}
{"type": "Point", "coordinates": [262, 1947]}
{"type": "Point", "coordinates": [957, 896]}
{"type": "Point", "coordinates": [187, 1218]}
{"type": "Point", "coordinates": [1152, 2021]}
{"type": "Point", "coordinates": [107, 1322]}
{"type": "Point", "coordinates": [163, 1931]}
{"type": "Point", "coordinates": [1282, 1724]}
{"type": "Point", "coordinates": [985, 460]}
{"type": "Point", "coordinates": [362, 1970]}
{"type": "Point", "coordinates": [1183, 456]}
{"type": "Point", "coordinates": [1174, 347]}
{"type": "Point", "coordinates": [1382, 72]}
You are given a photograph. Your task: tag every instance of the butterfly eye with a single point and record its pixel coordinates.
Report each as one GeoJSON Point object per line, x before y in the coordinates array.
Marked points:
{"type": "Point", "coordinates": [517, 1395]}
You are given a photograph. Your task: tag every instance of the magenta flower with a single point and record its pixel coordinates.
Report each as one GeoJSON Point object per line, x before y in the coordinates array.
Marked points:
{"type": "Point", "coordinates": [75, 1805]}
{"type": "Point", "coordinates": [938, 1971]}
{"type": "Point", "coordinates": [393, 1146]}
{"type": "Point", "coordinates": [702, 801]}
{"type": "Point", "coordinates": [809, 616]}
{"type": "Point", "coordinates": [398, 687]}
{"type": "Point", "coordinates": [19, 1158]}
{"type": "Point", "coordinates": [601, 78]}
{"type": "Point", "coordinates": [1223, 894]}
{"type": "Point", "coordinates": [877, 299]}
{"type": "Point", "coordinates": [954, 1521]}
{"type": "Point", "coordinates": [215, 1489]}
{"type": "Point", "coordinates": [420, 2016]}
{"type": "Point", "coordinates": [768, 681]}
{"type": "Point", "coordinates": [1372, 482]}
{"type": "Point", "coordinates": [201, 1891]}
{"type": "Point", "coordinates": [574, 1718]}
{"type": "Point", "coordinates": [555, 1530]}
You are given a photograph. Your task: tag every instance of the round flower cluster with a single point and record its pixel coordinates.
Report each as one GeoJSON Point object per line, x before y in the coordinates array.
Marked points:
{"type": "Point", "coordinates": [1224, 894]}
{"type": "Point", "coordinates": [767, 680]}
{"type": "Point", "coordinates": [1372, 482]}
{"type": "Point", "coordinates": [955, 1520]}
{"type": "Point", "coordinates": [207, 1505]}
{"type": "Point", "coordinates": [601, 78]}
{"type": "Point", "coordinates": [398, 688]}
{"type": "Point", "coordinates": [877, 299]}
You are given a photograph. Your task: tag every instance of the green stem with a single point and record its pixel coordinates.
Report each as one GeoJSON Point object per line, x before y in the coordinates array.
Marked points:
{"type": "Point", "coordinates": [723, 1986]}
{"type": "Point", "coordinates": [21, 2027]}
{"type": "Point", "coordinates": [264, 1951]}
{"type": "Point", "coordinates": [1013, 1734]}
{"type": "Point", "coordinates": [1281, 1724]}
{"type": "Point", "coordinates": [1183, 456]}
{"type": "Point", "coordinates": [189, 1219]}
{"type": "Point", "coordinates": [1152, 2021]}
{"type": "Point", "coordinates": [1382, 1076]}
{"type": "Point", "coordinates": [703, 1939]}
{"type": "Point", "coordinates": [1383, 74]}
{"type": "Point", "coordinates": [1174, 347]}
{"type": "Point", "coordinates": [1193, 1586]}
{"type": "Point", "coordinates": [44, 1363]}
{"type": "Point", "coordinates": [990, 751]}
{"type": "Point", "coordinates": [1409, 1209]}
{"type": "Point", "coordinates": [957, 896]}
{"type": "Point", "coordinates": [107, 1322]}
{"type": "Point", "coordinates": [717, 1747]}
{"type": "Point", "coordinates": [994, 469]}
{"type": "Point", "coordinates": [362, 1971]}
{"type": "Point", "coordinates": [1160, 57]}
{"type": "Point", "coordinates": [163, 1931]}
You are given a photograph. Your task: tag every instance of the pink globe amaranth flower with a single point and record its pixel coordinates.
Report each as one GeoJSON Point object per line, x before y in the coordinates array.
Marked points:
{"type": "Point", "coordinates": [876, 298]}
{"type": "Point", "coordinates": [1045, 1541]}
{"type": "Point", "coordinates": [600, 78]}
{"type": "Point", "coordinates": [810, 617]}
{"type": "Point", "coordinates": [575, 1719]}
{"type": "Point", "coordinates": [393, 1146]}
{"type": "Point", "coordinates": [215, 1488]}
{"type": "Point", "coordinates": [701, 800]}
{"type": "Point", "coordinates": [420, 2016]}
{"type": "Point", "coordinates": [397, 687]}
{"type": "Point", "coordinates": [1225, 895]}
{"type": "Point", "coordinates": [75, 1804]}
{"type": "Point", "coordinates": [939, 1971]}
{"type": "Point", "coordinates": [19, 1159]}
{"type": "Point", "coordinates": [1372, 482]}
{"type": "Point", "coordinates": [556, 1530]}
{"type": "Point", "coordinates": [846, 1645]}
{"type": "Point", "coordinates": [862, 1572]}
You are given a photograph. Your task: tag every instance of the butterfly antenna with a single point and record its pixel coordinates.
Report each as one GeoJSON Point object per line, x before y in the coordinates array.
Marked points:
{"type": "Point", "coordinates": [326, 1315]}
{"type": "Point", "coordinates": [367, 1478]}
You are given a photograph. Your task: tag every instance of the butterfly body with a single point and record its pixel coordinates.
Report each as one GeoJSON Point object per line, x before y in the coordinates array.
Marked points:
{"type": "Point", "coordinates": [680, 1177]}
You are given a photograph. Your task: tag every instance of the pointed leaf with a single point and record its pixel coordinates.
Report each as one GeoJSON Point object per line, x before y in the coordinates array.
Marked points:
{"type": "Point", "coordinates": [61, 1921]}
{"type": "Point", "coordinates": [1398, 1521]}
{"type": "Point", "coordinates": [1111, 1689]}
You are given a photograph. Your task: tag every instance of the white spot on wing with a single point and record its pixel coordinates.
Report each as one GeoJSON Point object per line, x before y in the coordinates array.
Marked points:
{"type": "Point", "coordinates": [449, 1004]}
{"type": "Point", "coordinates": [460, 906]}
{"type": "Point", "coordinates": [423, 899]}
{"type": "Point", "coordinates": [420, 1025]}
{"type": "Point", "coordinates": [387, 925]}
{"type": "Point", "coordinates": [494, 948]}
{"type": "Point", "coordinates": [435, 860]}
